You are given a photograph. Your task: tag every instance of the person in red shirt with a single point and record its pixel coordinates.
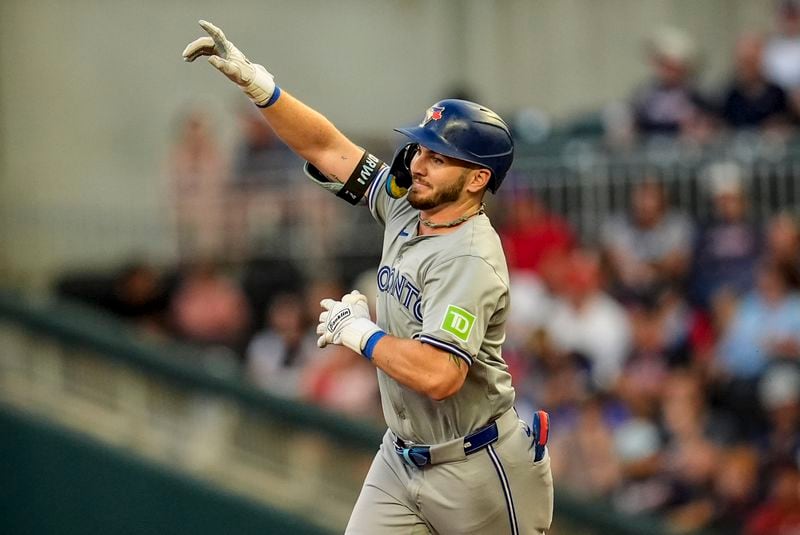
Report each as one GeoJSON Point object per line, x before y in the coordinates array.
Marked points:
{"type": "Point", "coordinates": [531, 232]}
{"type": "Point", "coordinates": [780, 515]}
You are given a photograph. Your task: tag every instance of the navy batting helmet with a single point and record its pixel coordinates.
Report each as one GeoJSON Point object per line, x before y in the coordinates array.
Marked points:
{"type": "Point", "coordinates": [463, 130]}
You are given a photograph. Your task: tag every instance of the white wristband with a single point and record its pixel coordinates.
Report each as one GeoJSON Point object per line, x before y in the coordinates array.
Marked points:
{"type": "Point", "coordinates": [357, 332]}
{"type": "Point", "coordinates": [262, 87]}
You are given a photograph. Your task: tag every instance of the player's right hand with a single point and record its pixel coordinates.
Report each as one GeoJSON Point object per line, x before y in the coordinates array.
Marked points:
{"type": "Point", "coordinates": [336, 315]}
{"type": "Point", "coordinates": [346, 322]}
{"type": "Point", "coordinates": [253, 78]}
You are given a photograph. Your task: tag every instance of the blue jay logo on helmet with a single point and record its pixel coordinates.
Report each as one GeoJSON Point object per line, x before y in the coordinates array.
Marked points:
{"type": "Point", "coordinates": [434, 113]}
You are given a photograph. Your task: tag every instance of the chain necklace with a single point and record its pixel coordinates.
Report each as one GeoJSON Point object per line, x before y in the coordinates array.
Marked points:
{"type": "Point", "coordinates": [454, 222]}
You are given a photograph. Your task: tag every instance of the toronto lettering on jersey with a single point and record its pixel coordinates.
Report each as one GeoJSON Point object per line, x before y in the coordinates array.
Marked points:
{"type": "Point", "coordinates": [398, 286]}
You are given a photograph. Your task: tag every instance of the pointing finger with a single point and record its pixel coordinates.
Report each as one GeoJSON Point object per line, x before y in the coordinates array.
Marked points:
{"type": "Point", "coordinates": [219, 38]}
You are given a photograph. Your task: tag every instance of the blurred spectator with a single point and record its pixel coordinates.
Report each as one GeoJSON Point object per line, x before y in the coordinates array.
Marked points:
{"type": "Point", "coordinates": [686, 413]}
{"type": "Point", "coordinates": [727, 246]}
{"type": "Point", "coordinates": [736, 487]}
{"type": "Point", "coordinates": [766, 325]}
{"type": "Point", "coordinates": [533, 300]}
{"type": "Point", "coordinates": [782, 52]}
{"type": "Point", "coordinates": [318, 289]}
{"type": "Point", "coordinates": [583, 453]}
{"type": "Point", "coordinates": [650, 246]}
{"type": "Point", "coordinates": [198, 172]}
{"type": "Point", "coordinates": [780, 514]}
{"type": "Point", "coordinates": [669, 103]}
{"type": "Point", "coordinates": [783, 241]}
{"type": "Point", "coordinates": [209, 308]}
{"type": "Point", "coordinates": [530, 232]}
{"type": "Point", "coordinates": [261, 159]}
{"type": "Point", "coordinates": [277, 355]}
{"type": "Point", "coordinates": [260, 188]}
{"type": "Point", "coordinates": [262, 279]}
{"type": "Point", "coordinates": [276, 211]}
{"type": "Point", "coordinates": [342, 381]}
{"type": "Point", "coordinates": [557, 380]}
{"type": "Point", "coordinates": [135, 292]}
{"type": "Point", "coordinates": [692, 466]}
{"type": "Point", "coordinates": [139, 295]}
{"type": "Point", "coordinates": [751, 101]}
{"type": "Point", "coordinates": [659, 335]}
{"type": "Point", "coordinates": [779, 394]}
{"type": "Point", "coordinates": [696, 436]}
{"type": "Point", "coordinates": [715, 488]}
{"type": "Point", "coordinates": [586, 320]}
{"type": "Point", "coordinates": [643, 488]}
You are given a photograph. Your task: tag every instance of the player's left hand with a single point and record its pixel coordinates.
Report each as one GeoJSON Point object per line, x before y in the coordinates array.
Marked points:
{"type": "Point", "coordinates": [346, 322]}
{"type": "Point", "coordinates": [256, 81]}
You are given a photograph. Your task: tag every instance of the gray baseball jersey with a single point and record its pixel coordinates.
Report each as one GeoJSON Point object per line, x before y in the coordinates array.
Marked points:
{"type": "Point", "coordinates": [450, 291]}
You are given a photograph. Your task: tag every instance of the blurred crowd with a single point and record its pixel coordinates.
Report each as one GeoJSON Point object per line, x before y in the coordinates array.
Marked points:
{"type": "Point", "coordinates": [668, 355]}
{"type": "Point", "coordinates": [667, 350]}
{"type": "Point", "coordinates": [761, 91]}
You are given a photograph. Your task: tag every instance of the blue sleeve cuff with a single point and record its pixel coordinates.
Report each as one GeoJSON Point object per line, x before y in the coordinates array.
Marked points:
{"type": "Point", "coordinates": [371, 343]}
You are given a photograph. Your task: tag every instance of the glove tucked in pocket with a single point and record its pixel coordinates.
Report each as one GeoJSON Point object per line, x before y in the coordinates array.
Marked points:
{"type": "Point", "coordinates": [540, 432]}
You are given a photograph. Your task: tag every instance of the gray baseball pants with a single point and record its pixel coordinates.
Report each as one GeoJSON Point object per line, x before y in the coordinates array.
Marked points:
{"type": "Point", "coordinates": [496, 490]}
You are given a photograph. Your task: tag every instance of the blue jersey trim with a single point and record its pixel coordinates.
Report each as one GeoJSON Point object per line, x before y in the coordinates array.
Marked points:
{"type": "Point", "coordinates": [445, 346]}
{"type": "Point", "coordinates": [373, 188]}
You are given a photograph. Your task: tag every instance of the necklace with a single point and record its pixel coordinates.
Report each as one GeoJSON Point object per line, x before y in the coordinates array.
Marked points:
{"type": "Point", "coordinates": [454, 222]}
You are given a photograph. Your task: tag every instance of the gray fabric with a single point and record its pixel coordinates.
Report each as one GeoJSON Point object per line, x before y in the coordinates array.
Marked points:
{"type": "Point", "coordinates": [459, 498]}
{"type": "Point", "coordinates": [419, 279]}
{"type": "Point", "coordinates": [450, 291]}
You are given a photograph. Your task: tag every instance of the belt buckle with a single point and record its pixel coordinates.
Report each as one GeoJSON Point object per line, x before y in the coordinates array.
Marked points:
{"type": "Point", "coordinates": [414, 456]}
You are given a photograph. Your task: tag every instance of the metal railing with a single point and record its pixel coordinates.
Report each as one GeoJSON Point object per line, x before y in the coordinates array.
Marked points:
{"type": "Point", "coordinates": [181, 409]}
{"type": "Point", "coordinates": [586, 182]}
{"type": "Point", "coordinates": [578, 178]}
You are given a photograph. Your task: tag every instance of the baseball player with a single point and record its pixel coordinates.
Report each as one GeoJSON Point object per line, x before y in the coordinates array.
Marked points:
{"type": "Point", "coordinates": [456, 459]}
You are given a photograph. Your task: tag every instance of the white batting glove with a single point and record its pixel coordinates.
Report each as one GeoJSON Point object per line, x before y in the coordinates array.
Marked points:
{"type": "Point", "coordinates": [346, 322]}
{"type": "Point", "coordinates": [253, 78]}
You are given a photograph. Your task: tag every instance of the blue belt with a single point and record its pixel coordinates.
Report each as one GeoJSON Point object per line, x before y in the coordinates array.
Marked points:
{"type": "Point", "coordinates": [420, 456]}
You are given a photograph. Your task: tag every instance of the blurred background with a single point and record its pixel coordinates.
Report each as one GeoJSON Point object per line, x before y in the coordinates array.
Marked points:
{"type": "Point", "coordinates": [162, 257]}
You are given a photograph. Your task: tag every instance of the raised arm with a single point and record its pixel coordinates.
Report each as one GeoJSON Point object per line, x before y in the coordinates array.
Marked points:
{"type": "Point", "coordinates": [307, 132]}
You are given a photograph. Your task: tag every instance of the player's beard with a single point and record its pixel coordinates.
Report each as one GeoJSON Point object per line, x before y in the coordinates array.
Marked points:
{"type": "Point", "coordinates": [446, 195]}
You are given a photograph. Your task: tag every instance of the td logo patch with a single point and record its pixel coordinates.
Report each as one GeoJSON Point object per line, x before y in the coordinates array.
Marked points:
{"type": "Point", "coordinates": [458, 322]}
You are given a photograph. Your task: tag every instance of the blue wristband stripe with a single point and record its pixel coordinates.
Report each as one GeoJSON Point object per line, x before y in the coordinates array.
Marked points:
{"type": "Point", "coordinates": [275, 95]}
{"type": "Point", "coordinates": [371, 343]}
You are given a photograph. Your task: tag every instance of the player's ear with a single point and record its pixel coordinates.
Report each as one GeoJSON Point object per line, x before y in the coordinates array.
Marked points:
{"type": "Point", "coordinates": [478, 180]}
